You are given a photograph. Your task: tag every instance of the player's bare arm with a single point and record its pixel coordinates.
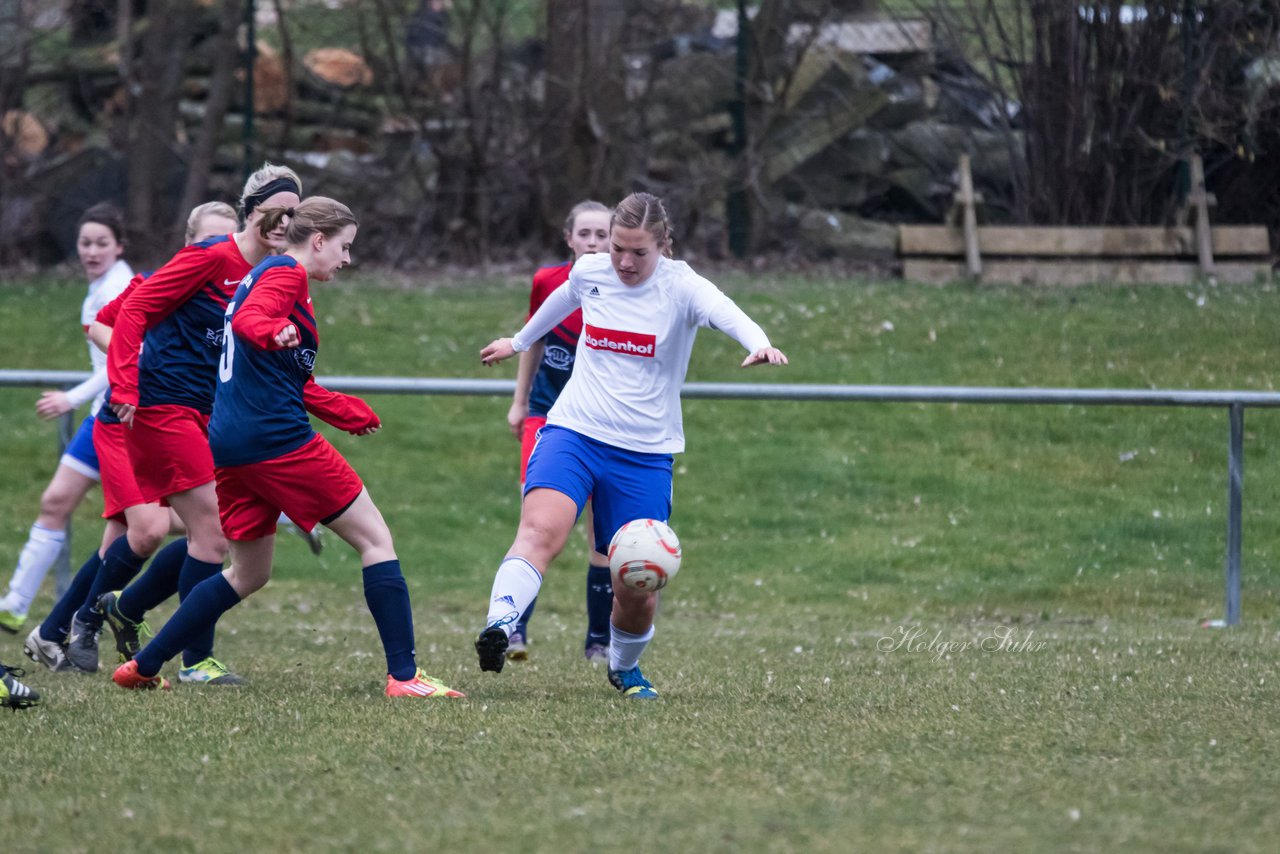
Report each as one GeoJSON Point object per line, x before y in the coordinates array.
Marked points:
{"type": "Point", "coordinates": [497, 351]}
{"type": "Point", "coordinates": [765, 355]}
{"type": "Point", "coordinates": [100, 334]}
{"type": "Point", "coordinates": [52, 404]}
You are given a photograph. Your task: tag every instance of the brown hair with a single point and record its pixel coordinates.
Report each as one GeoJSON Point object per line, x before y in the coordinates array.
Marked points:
{"type": "Point", "coordinates": [270, 173]}
{"type": "Point", "coordinates": [107, 214]}
{"type": "Point", "coordinates": [316, 214]}
{"type": "Point", "coordinates": [583, 207]}
{"type": "Point", "coordinates": [644, 210]}
{"type": "Point", "coordinates": [199, 212]}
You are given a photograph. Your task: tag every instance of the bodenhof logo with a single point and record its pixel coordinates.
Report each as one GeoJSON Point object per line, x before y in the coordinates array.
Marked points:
{"type": "Point", "coordinates": [631, 343]}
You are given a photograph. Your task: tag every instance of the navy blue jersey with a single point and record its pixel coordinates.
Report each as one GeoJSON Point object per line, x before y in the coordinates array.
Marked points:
{"type": "Point", "coordinates": [560, 346]}
{"type": "Point", "coordinates": [553, 372]}
{"type": "Point", "coordinates": [107, 415]}
{"type": "Point", "coordinates": [260, 410]}
{"type": "Point", "coordinates": [175, 317]}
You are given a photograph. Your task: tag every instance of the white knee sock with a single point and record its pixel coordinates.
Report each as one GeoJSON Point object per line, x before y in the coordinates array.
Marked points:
{"type": "Point", "coordinates": [625, 648]}
{"type": "Point", "coordinates": [42, 549]}
{"type": "Point", "coordinates": [514, 587]}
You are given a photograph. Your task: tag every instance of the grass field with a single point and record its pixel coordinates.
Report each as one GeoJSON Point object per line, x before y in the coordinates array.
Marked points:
{"type": "Point", "coordinates": [898, 627]}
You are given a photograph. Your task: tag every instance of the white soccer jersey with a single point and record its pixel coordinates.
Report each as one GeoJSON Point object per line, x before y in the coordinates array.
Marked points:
{"type": "Point", "coordinates": [634, 350]}
{"type": "Point", "coordinates": [102, 290]}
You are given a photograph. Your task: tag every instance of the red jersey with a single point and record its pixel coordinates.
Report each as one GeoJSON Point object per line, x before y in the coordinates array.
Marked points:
{"type": "Point", "coordinates": [560, 344]}
{"type": "Point", "coordinates": [178, 311]}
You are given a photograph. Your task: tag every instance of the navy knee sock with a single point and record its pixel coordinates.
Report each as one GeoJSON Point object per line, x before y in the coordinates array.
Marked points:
{"type": "Point", "coordinates": [154, 586]}
{"type": "Point", "coordinates": [199, 611]}
{"type": "Point", "coordinates": [56, 626]}
{"type": "Point", "coordinates": [119, 565]}
{"type": "Point", "coordinates": [200, 645]}
{"type": "Point", "coordinates": [599, 604]}
{"type": "Point", "coordinates": [387, 595]}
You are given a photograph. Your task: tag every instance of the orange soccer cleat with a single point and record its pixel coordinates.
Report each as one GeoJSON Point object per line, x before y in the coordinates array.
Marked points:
{"type": "Point", "coordinates": [127, 676]}
{"type": "Point", "coordinates": [421, 685]}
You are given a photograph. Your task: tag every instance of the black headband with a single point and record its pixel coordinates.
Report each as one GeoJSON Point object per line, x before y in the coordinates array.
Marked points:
{"type": "Point", "coordinates": [279, 185]}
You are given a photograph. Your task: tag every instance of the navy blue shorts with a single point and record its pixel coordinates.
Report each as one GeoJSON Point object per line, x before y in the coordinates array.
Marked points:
{"type": "Point", "coordinates": [80, 455]}
{"type": "Point", "coordinates": [622, 485]}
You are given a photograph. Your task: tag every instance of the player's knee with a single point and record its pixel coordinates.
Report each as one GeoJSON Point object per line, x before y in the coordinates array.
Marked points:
{"type": "Point", "coordinates": [538, 542]}
{"type": "Point", "coordinates": [253, 584]}
{"type": "Point", "coordinates": [145, 539]}
{"type": "Point", "coordinates": [546, 531]}
{"type": "Point", "coordinates": [373, 543]}
{"type": "Point", "coordinates": [57, 504]}
{"type": "Point", "coordinates": [246, 582]}
{"type": "Point", "coordinates": [207, 544]}
{"type": "Point", "coordinates": [380, 539]}
{"type": "Point", "coordinates": [635, 601]}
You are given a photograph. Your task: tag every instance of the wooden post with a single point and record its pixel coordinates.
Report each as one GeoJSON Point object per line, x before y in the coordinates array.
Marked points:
{"type": "Point", "coordinates": [1200, 201]}
{"type": "Point", "coordinates": [967, 200]}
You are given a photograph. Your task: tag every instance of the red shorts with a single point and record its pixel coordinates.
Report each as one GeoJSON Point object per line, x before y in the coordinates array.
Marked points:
{"type": "Point", "coordinates": [169, 449]}
{"type": "Point", "coordinates": [310, 485]}
{"type": "Point", "coordinates": [529, 438]}
{"type": "Point", "coordinates": [119, 487]}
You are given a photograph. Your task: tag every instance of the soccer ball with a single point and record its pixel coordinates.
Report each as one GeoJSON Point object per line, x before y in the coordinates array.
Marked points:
{"type": "Point", "coordinates": [644, 555]}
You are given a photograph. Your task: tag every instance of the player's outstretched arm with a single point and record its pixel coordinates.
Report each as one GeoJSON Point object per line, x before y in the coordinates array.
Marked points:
{"type": "Point", "coordinates": [519, 410]}
{"type": "Point", "coordinates": [496, 351]}
{"type": "Point", "coordinates": [344, 411]}
{"type": "Point", "coordinates": [765, 355]}
{"type": "Point", "coordinates": [52, 404]}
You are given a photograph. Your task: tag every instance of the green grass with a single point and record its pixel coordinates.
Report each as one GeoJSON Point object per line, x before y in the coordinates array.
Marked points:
{"type": "Point", "coordinates": [812, 531]}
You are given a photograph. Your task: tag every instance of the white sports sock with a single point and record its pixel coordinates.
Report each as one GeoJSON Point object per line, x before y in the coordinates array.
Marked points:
{"type": "Point", "coordinates": [514, 587]}
{"type": "Point", "coordinates": [42, 549]}
{"type": "Point", "coordinates": [625, 648]}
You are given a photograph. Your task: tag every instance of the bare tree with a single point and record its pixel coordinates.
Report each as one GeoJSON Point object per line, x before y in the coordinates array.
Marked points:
{"type": "Point", "coordinates": [14, 57]}
{"type": "Point", "coordinates": [582, 148]}
{"type": "Point", "coordinates": [1113, 98]}
{"type": "Point", "coordinates": [221, 82]}
{"type": "Point", "coordinates": [152, 112]}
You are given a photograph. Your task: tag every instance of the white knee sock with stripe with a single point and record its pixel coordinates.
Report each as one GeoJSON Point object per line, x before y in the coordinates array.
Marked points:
{"type": "Point", "coordinates": [38, 555]}
{"type": "Point", "coordinates": [514, 587]}
{"type": "Point", "coordinates": [625, 648]}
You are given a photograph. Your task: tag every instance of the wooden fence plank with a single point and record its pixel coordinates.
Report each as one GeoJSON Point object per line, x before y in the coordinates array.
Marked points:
{"type": "Point", "coordinates": [935, 271]}
{"type": "Point", "coordinates": [1117, 241]}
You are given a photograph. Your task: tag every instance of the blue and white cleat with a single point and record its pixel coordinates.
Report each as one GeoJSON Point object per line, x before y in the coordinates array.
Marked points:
{"type": "Point", "coordinates": [632, 684]}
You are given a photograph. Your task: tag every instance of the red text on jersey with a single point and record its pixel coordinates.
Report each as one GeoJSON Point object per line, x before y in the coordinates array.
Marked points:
{"type": "Point", "coordinates": [631, 343]}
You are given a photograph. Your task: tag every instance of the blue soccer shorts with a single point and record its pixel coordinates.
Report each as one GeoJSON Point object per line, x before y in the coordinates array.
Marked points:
{"type": "Point", "coordinates": [622, 485]}
{"type": "Point", "coordinates": [80, 455]}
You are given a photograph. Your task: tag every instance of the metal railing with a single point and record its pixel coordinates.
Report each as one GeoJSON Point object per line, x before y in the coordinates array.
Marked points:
{"type": "Point", "coordinates": [1235, 402]}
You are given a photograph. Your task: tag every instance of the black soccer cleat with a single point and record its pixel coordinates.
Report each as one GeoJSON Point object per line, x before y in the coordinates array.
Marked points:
{"type": "Point", "coordinates": [491, 647]}
{"type": "Point", "coordinates": [14, 694]}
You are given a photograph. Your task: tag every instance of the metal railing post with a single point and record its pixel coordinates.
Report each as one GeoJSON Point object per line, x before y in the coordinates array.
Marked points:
{"type": "Point", "coordinates": [62, 565]}
{"type": "Point", "coordinates": [1235, 500]}
{"type": "Point", "coordinates": [1236, 401]}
